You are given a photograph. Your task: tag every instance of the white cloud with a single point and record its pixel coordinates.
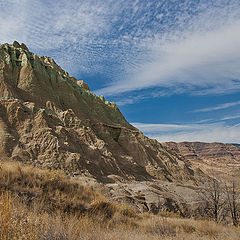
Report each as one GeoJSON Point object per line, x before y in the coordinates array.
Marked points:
{"type": "Point", "coordinates": [51, 25]}
{"type": "Point", "coordinates": [64, 30]}
{"type": "Point", "coordinates": [205, 56]}
{"type": "Point", "coordinates": [153, 128]}
{"type": "Point", "coordinates": [176, 45]}
{"type": "Point", "coordinates": [126, 101]}
{"type": "Point", "coordinates": [218, 107]}
{"type": "Point", "coordinates": [235, 116]}
{"type": "Point", "coordinates": [192, 132]}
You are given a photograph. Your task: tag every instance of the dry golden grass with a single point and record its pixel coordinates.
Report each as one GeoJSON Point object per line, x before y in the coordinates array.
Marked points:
{"type": "Point", "coordinates": [46, 205]}
{"type": "Point", "coordinates": [48, 190]}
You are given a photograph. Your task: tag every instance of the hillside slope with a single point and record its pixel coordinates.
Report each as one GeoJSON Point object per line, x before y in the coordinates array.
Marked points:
{"type": "Point", "coordinates": [48, 118]}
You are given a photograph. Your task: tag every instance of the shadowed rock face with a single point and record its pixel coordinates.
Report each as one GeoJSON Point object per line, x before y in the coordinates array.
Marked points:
{"type": "Point", "coordinates": [216, 159]}
{"type": "Point", "coordinates": [48, 118]}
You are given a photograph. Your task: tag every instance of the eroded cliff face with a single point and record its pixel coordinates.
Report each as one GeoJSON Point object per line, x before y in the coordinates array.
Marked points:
{"type": "Point", "coordinates": [218, 160]}
{"type": "Point", "coordinates": [28, 77]}
{"type": "Point", "coordinates": [48, 118]}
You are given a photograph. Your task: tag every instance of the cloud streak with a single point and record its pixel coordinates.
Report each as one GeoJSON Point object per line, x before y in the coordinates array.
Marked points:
{"type": "Point", "coordinates": [216, 132]}
{"type": "Point", "coordinates": [204, 56]}
{"type": "Point", "coordinates": [235, 116]}
{"type": "Point", "coordinates": [65, 30]}
{"type": "Point", "coordinates": [218, 107]}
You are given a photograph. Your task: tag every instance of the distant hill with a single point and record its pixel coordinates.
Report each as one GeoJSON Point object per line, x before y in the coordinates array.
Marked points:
{"type": "Point", "coordinates": [215, 159]}
{"type": "Point", "coordinates": [235, 144]}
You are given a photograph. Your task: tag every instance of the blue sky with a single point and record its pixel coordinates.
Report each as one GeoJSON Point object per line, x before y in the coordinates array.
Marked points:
{"type": "Point", "coordinates": [173, 67]}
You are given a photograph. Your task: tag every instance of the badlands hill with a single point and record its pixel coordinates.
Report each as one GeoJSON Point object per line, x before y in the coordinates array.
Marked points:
{"type": "Point", "coordinates": [48, 118]}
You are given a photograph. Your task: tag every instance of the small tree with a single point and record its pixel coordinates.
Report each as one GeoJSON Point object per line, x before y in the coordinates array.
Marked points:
{"type": "Point", "coordinates": [233, 202]}
{"type": "Point", "coordinates": [213, 198]}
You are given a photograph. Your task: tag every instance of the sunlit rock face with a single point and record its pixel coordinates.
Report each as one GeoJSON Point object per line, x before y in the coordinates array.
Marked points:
{"type": "Point", "coordinates": [50, 119]}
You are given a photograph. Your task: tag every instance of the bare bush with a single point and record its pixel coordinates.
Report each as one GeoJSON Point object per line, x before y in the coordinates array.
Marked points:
{"type": "Point", "coordinates": [213, 201]}
{"type": "Point", "coordinates": [233, 202]}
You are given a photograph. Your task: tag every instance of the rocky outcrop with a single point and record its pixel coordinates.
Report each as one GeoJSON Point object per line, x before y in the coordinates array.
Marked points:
{"type": "Point", "coordinates": [27, 77]}
{"type": "Point", "coordinates": [82, 84]}
{"type": "Point", "coordinates": [48, 118]}
{"type": "Point", "coordinates": [216, 159]}
{"type": "Point", "coordinates": [150, 196]}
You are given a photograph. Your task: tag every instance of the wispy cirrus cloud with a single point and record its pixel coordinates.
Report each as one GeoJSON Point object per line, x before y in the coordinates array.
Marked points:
{"type": "Point", "coordinates": [235, 116]}
{"type": "Point", "coordinates": [156, 128]}
{"type": "Point", "coordinates": [218, 107]}
{"type": "Point", "coordinates": [64, 30]}
{"type": "Point", "coordinates": [53, 24]}
{"type": "Point", "coordinates": [187, 45]}
{"type": "Point", "coordinates": [215, 132]}
{"type": "Point", "coordinates": [201, 58]}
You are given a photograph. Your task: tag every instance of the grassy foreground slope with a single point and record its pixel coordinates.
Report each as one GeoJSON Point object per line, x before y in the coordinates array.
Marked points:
{"type": "Point", "coordinates": [44, 204]}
